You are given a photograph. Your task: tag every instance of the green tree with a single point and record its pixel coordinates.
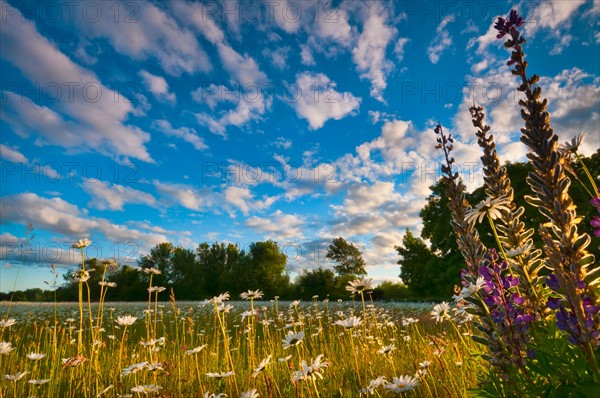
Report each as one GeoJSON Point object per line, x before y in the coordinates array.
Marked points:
{"type": "Point", "coordinates": [160, 257]}
{"type": "Point", "coordinates": [319, 282]}
{"type": "Point", "coordinates": [266, 264]}
{"type": "Point", "coordinates": [417, 266]}
{"type": "Point", "coordinates": [187, 277]}
{"type": "Point", "coordinates": [212, 263]}
{"type": "Point", "coordinates": [348, 258]}
{"type": "Point", "coordinates": [394, 291]}
{"type": "Point", "coordinates": [130, 286]}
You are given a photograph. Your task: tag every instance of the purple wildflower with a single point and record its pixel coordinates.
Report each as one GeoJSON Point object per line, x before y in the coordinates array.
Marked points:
{"type": "Point", "coordinates": [507, 310]}
{"type": "Point", "coordinates": [504, 26]}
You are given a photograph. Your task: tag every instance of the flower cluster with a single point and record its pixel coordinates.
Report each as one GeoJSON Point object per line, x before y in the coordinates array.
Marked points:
{"type": "Point", "coordinates": [566, 317]}
{"type": "Point", "coordinates": [507, 26]}
{"type": "Point", "coordinates": [510, 319]}
{"type": "Point", "coordinates": [595, 201]}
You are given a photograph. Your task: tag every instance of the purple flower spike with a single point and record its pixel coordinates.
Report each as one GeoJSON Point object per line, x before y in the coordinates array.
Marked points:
{"type": "Point", "coordinates": [553, 303]}
{"type": "Point", "coordinates": [504, 26]}
{"type": "Point", "coordinates": [486, 273]}
{"type": "Point", "coordinates": [552, 282]}
{"type": "Point", "coordinates": [518, 300]}
{"type": "Point", "coordinates": [515, 19]}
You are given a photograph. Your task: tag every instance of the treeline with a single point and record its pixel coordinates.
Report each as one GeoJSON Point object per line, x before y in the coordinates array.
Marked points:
{"type": "Point", "coordinates": [430, 265]}
{"type": "Point", "coordinates": [212, 269]}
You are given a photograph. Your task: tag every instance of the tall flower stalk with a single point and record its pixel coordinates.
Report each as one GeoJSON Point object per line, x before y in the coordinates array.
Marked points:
{"type": "Point", "coordinates": [514, 240]}
{"type": "Point", "coordinates": [467, 236]}
{"type": "Point", "coordinates": [81, 277]}
{"type": "Point", "coordinates": [565, 247]}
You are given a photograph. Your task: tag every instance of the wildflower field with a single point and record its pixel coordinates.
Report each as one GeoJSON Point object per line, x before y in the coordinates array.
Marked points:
{"type": "Point", "coordinates": [525, 321]}
{"type": "Point", "coordinates": [238, 348]}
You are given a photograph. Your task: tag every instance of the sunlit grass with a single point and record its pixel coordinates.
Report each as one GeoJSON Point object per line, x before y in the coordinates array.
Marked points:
{"type": "Point", "coordinates": [187, 349]}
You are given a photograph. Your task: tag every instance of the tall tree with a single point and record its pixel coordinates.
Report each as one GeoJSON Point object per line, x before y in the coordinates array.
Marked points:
{"type": "Point", "coordinates": [416, 266]}
{"type": "Point", "coordinates": [187, 277]}
{"type": "Point", "coordinates": [267, 265]}
{"type": "Point", "coordinates": [212, 262]}
{"type": "Point", "coordinates": [160, 257]}
{"type": "Point", "coordinates": [348, 258]}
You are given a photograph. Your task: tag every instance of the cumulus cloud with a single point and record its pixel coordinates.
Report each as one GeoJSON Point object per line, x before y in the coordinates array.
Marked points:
{"type": "Point", "coordinates": [149, 33]}
{"type": "Point", "coordinates": [441, 42]}
{"type": "Point", "coordinates": [278, 57]}
{"type": "Point", "coordinates": [185, 133]}
{"type": "Point", "coordinates": [399, 48]}
{"type": "Point", "coordinates": [277, 225]}
{"type": "Point", "coordinates": [158, 86]}
{"type": "Point", "coordinates": [573, 101]}
{"type": "Point", "coordinates": [106, 195]}
{"type": "Point", "coordinates": [552, 15]}
{"type": "Point", "coordinates": [369, 54]}
{"type": "Point", "coordinates": [243, 199]}
{"type": "Point", "coordinates": [320, 101]}
{"type": "Point", "coordinates": [244, 71]}
{"type": "Point", "coordinates": [306, 55]}
{"type": "Point", "coordinates": [187, 196]}
{"type": "Point", "coordinates": [93, 119]}
{"type": "Point", "coordinates": [59, 216]}
{"type": "Point", "coordinates": [364, 198]}
{"type": "Point", "coordinates": [12, 154]}
{"type": "Point", "coordinates": [282, 142]}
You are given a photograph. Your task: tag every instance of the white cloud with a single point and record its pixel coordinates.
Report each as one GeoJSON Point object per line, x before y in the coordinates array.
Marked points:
{"type": "Point", "coordinates": [158, 86]}
{"type": "Point", "coordinates": [114, 196]}
{"type": "Point", "coordinates": [554, 18]}
{"type": "Point", "coordinates": [288, 15]}
{"type": "Point", "coordinates": [12, 154]}
{"type": "Point", "coordinates": [399, 48]}
{"type": "Point", "coordinates": [365, 197]}
{"type": "Point", "coordinates": [278, 57]}
{"type": "Point", "coordinates": [552, 15]}
{"type": "Point", "coordinates": [245, 74]}
{"type": "Point", "coordinates": [333, 25]}
{"type": "Point", "coordinates": [486, 40]}
{"type": "Point", "coordinates": [369, 53]}
{"type": "Point", "coordinates": [96, 119]}
{"type": "Point", "coordinates": [186, 195]}
{"type": "Point", "coordinates": [185, 133]}
{"type": "Point", "coordinates": [441, 42]}
{"type": "Point", "coordinates": [243, 199]}
{"type": "Point", "coordinates": [282, 142]}
{"type": "Point", "coordinates": [319, 101]}
{"type": "Point", "coordinates": [151, 32]}
{"type": "Point", "coordinates": [277, 225]}
{"type": "Point", "coordinates": [573, 101]}
{"type": "Point", "coordinates": [59, 216]}
{"type": "Point", "coordinates": [480, 66]}
{"type": "Point", "coordinates": [306, 55]}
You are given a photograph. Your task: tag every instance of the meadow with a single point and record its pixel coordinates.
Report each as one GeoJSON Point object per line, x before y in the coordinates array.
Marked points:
{"type": "Point", "coordinates": [524, 323]}
{"type": "Point", "coordinates": [245, 348]}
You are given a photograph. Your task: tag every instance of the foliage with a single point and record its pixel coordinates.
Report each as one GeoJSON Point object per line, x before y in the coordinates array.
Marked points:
{"type": "Point", "coordinates": [537, 312]}
{"type": "Point", "coordinates": [395, 291]}
{"type": "Point", "coordinates": [442, 271]}
{"type": "Point", "coordinates": [318, 282]}
{"type": "Point", "coordinates": [347, 256]}
{"type": "Point", "coordinates": [417, 265]}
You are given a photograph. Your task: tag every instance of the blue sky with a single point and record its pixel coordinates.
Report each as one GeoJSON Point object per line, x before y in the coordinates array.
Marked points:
{"type": "Point", "coordinates": [133, 123]}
